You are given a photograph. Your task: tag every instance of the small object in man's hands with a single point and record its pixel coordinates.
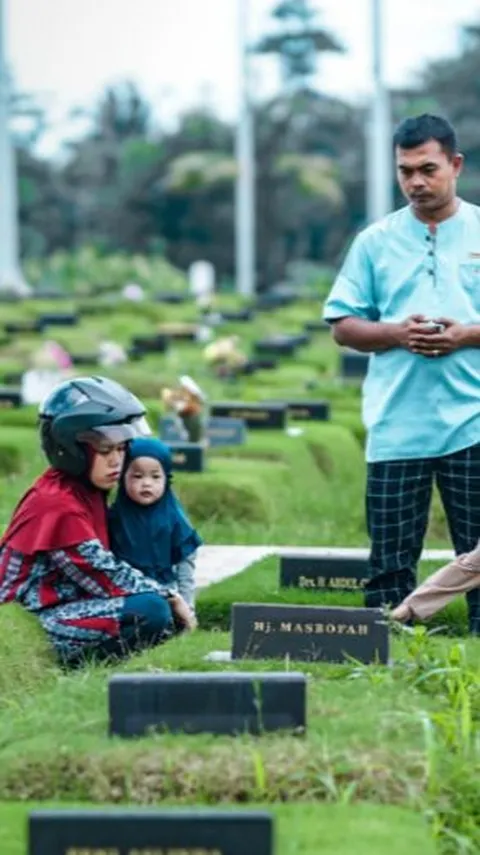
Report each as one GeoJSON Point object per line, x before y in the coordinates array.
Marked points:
{"type": "Point", "coordinates": [432, 326]}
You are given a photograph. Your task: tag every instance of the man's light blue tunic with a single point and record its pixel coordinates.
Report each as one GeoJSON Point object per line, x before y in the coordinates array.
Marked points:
{"type": "Point", "coordinates": [416, 406]}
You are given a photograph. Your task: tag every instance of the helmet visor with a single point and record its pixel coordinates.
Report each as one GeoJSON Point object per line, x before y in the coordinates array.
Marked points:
{"type": "Point", "coordinates": [115, 434]}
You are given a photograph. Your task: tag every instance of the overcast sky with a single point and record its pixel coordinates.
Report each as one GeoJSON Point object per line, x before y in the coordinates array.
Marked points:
{"type": "Point", "coordinates": [183, 51]}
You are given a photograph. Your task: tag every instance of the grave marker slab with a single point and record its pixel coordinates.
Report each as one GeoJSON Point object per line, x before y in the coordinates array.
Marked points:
{"type": "Point", "coordinates": [281, 345]}
{"type": "Point", "coordinates": [219, 431]}
{"type": "Point", "coordinates": [121, 831]}
{"type": "Point", "coordinates": [226, 431]}
{"type": "Point", "coordinates": [171, 430]}
{"type": "Point", "coordinates": [308, 633]}
{"type": "Point", "coordinates": [150, 344]}
{"type": "Point", "coordinates": [187, 456]}
{"type": "Point", "coordinates": [318, 411]}
{"type": "Point", "coordinates": [318, 573]}
{"type": "Point", "coordinates": [18, 327]}
{"type": "Point", "coordinates": [171, 297]}
{"type": "Point", "coordinates": [84, 358]}
{"type": "Point", "coordinates": [10, 397]}
{"type": "Point", "coordinates": [217, 702]}
{"type": "Point", "coordinates": [316, 326]}
{"type": "Point", "coordinates": [242, 316]}
{"type": "Point", "coordinates": [255, 416]}
{"type": "Point", "coordinates": [59, 319]}
{"type": "Point", "coordinates": [354, 364]}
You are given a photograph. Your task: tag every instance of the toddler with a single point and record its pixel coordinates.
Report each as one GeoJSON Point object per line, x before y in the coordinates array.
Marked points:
{"type": "Point", "coordinates": [150, 530]}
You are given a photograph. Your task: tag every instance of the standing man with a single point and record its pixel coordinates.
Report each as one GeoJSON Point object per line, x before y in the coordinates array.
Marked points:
{"type": "Point", "coordinates": [421, 396]}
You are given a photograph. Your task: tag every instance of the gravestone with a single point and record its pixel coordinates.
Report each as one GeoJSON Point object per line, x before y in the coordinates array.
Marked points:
{"type": "Point", "coordinates": [59, 319]}
{"type": "Point", "coordinates": [18, 327]}
{"type": "Point", "coordinates": [171, 430]}
{"type": "Point", "coordinates": [187, 456]}
{"type": "Point", "coordinates": [278, 345]}
{"type": "Point", "coordinates": [217, 702]}
{"type": "Point", "coordinates": [354, 364]}
{"type": "Point", "coordinates": [273, 300]}
{"type": "Point", "coordinates": [316, 326]}
{"type": "Point", "coordinates": [150, 344]}
{"type": "Point", "coordinates": [84, 358]}
{"type": "Point", "coordinates": [315, 411]}
{"type": "Point", "coordinates": [300, 339]}
{"type": "Point", "coordinates": [201, 278]}
{"type": "Point", "coordinates": [12, 378]}
{"type": "Point", "coordinates": [255, 416]}
{"type": "Point", "coordinates": [239, 316]}
{"type": "Point", "coordinates": [218, 431]}
{"type": "Point", "coordinates": [262, 364]}
{"type": "Point", "coordinates": [10, 397]}
{"type": "Point", "coordinates": [323, 572]}
{"type": "Point", "coordinates": [171, 297]}
{"type": "Point", "coordinates": [308, 633]}
{"type": "Point", "coordinates": [226, 431]}
{"type": "Point", "coordinates": [136, 831]}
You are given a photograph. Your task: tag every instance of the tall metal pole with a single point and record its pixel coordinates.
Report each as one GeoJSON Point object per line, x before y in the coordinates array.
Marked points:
{"type": "Point", "coordinates": [379, 146]}
{"type": "Point", "coordinates": [11, 277]}
{"type": "Point", "coordinates": [245, 156]}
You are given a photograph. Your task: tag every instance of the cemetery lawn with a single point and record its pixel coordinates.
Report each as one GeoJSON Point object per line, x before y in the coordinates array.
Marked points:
{"type": "Point", "coordinates": [365, 738]}
{"type": "Point", "coordinates": [302, 829]}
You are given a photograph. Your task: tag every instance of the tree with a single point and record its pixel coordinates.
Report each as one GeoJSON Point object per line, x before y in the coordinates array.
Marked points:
{"type": "Point", "coordinates": [298, 42]}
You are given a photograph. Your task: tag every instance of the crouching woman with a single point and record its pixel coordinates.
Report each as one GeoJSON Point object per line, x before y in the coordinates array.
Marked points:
{"type": "Point", "coordinates": [55, 558]}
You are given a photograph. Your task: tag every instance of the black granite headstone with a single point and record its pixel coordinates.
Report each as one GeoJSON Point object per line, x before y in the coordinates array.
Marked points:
{"type": "Point", "coordinates": [308, 633]}
{"type": "Point", "coordinates": [10, 397]}
{"type": "Point", "coordinates": [218, 702]}
{"type": "Point", "coordinates": [242, 315]}
{"type": "Point", "coordinates": [354, 364]}
{"type": "Point", "coordinates": [318, 411]}
{"type": "Point", "coordinates": [262, 364]}
{"type": "Point", "coordinates": [278, 345]}
{"type": "Point", "coordinates": [84, 358]}
{"type": "Point", "coordinates": [12, 378]}
{"type": "Point", "coordinates": [323, 572]}
{"type": "Point", "coordinates": [187, 456]}
{"type": "Point", "coordinates": [255, 416]}
{"type": "Point", "coordinates": [59, 319]}
{"type": "Point", "coordinates": [172, 297]}
{"type": "Point", "coordinates": [18, 327]}
{"type": "Point", "coordinates": [133, 831]}
{"type": "Point", "coordinates": [150, 344]}
{"type": "Point", "coordinates": [316, 326]}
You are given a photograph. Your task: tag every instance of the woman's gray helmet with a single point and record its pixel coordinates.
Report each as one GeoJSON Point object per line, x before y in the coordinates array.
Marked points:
{"type": "Point", "coordinates": [84, 408]}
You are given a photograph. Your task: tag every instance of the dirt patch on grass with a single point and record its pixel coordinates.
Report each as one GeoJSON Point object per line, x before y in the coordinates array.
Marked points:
{"type": "Point", "coordinates": [238, 772]}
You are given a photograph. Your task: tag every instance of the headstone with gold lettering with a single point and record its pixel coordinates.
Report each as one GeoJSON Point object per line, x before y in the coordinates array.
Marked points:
{"type": "Point", "coordinates": [255, 416]}
{"type": "Point", "coordinates": [135, 831]}
{"type": "Point", "coordinates": [219, 702]}
{"type": "Point", "coordinates": [323, 572]}
{"type": "Point", "coordinates": [187, 456]}
{"type": "Point", "coordinates": [303, 410]}
{"type": "Point", "coordinates": [309, 633]}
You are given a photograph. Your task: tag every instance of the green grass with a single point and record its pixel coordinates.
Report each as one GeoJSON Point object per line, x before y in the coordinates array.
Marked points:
{"type": "Point", "coordinates": [383, 744]}
{"type": "Point", "coordinates": [260, 583]}
{"type": "Point", "coordinates": [303, 829]}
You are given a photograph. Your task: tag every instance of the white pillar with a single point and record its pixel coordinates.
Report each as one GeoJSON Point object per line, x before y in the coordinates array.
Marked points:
{"type": "Point", "coordinates": [11, 277]}
{"type": "Point", "coordinates": [379, 142]}
{"type": "Point", "coordinates": [245, 157]}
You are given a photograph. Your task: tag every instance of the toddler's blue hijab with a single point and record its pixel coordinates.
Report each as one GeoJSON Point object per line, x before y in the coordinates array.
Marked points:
{"type": "Point", "coordinates": [152, 537]}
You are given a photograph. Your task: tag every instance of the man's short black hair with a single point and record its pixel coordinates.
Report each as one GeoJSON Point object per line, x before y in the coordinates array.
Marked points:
{"type": "Point", "coordinates": [417, 130]}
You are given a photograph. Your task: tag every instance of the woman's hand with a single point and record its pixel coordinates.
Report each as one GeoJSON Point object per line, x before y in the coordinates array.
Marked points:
{"type": "Point", "coordinates": [183, 612]}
